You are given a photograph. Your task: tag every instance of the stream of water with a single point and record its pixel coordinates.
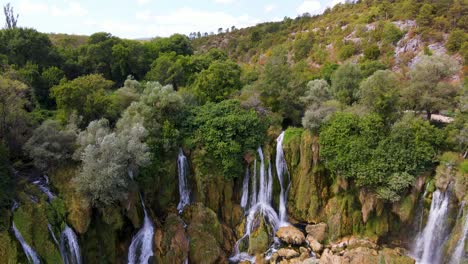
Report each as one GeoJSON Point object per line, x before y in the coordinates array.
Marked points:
{"type": "Point", "coordinates": [141, 248]}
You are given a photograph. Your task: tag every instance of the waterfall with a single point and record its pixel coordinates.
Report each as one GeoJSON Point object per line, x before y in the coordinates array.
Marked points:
{"type": "Point", "coordinates": [141, 248]}
{"type": "Point", "coordinates": [245, 189]}
{"type": "Point", "coordinates": [69, 247]}
{"type": "Point", "coordinates": [282, 170]}
{"type": "Point", "coordinates": [261, 200]}
{"type": "Point", "coordinates": [457, 256]}
{"type": "Point", "coordinates": [184, 190]}
{"type": "Point", "coordinates": [28, 251]}
{"type": "Point", "coordinates": [49, 226]}
{"type": "Point", "coordinates": [43, 185]}
{"type": "Point", "coordinates": [429, 243]}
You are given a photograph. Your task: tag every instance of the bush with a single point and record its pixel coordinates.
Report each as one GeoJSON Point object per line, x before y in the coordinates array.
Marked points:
{"type": "Point", "coordinates": [346, 51]}
{"type": "Point", "coordinates": [456, 40]}
{"type": "Point", "coordinates": [391, 33]}
{"type": "Point", "coordinates": [372, 52]}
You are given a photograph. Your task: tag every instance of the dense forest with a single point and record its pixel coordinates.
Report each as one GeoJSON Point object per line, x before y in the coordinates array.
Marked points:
{"type": "Point", "coordinates": [368, 100]}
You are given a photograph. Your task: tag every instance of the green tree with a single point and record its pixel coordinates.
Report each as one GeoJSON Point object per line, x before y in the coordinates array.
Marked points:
{"type": "Point", "coordinates": [224, 133]}
{"type": "Point", "coordinates": [50, 145]}
{"type": "Point", "coordinates": [14, 120]}
{"type": "Point", "coordinates": [426, 15]}
{"type": "Point", "coordinates": [168, 68]}
{"type": "Point", "coordinates": [218, 82]}
{"type": "Point", "coordinates": [345, 83]}
{"type": "Point", "coordinates": [109, 160]}
{"type": "Point", "coordinates": [379, 93]}
{"type": "Point", "coordinates": [391, 33]}
{"type": "Point", "coordinates": [87, 96]}
{"type": "Point", "coordinates": [428, 90]}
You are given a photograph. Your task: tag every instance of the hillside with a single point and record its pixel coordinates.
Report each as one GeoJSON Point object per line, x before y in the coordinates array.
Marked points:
{"type": "Point", "coordinates": [340, 138]}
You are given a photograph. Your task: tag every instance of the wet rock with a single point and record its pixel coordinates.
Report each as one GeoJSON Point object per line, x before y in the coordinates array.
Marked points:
{"type": "Point", "coordinates": [291, 235]}
{"type": "Point", "coordinates": [287, 253]}
{"type": "Point", "coordinates": [317, 231]}
{"type": "Point", "coordinates": [368, 201]}
{"type": "Point", "coordinates": [329, 258]}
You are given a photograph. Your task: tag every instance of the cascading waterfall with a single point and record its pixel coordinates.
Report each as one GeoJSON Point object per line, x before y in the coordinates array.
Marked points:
{"type": "Point", "coordinates": [429, 243]}
{"type": "Point", "coordinates": [30, 253]}
{"type": "Point", "coordinates": [43, 185]}
{"type": "Point", "coordinates": [141, 248]}
{"type": "Point", "coordinates": [282, 171]}
{"type": "Point", "coordinates": [260, 202]}
{"type": "Point", "coordinates": [184, 190]}
{"type": "Point", "coordinates": [457, 256]}
{"type": "Point", "coordinates": [69, 247]}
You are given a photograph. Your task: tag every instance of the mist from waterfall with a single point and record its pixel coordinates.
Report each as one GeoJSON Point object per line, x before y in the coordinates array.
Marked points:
{"type": "Point", "coordinates": [141, 248]}
{"type": "Point", "coordinates": [184, 190]}
{"type": "Point", "coordinates": [69, 247]}
{"type": "Point", "coordinates": [28, 251]}
{"type": "Point", "coordinates": [428, 246]}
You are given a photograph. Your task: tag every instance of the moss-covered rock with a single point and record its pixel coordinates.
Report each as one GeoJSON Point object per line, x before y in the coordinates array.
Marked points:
{"type": "Point", "coordinates": [31, 220]}
{"type": "Point", "coordinates": [79, 211]}
{"type": "Point", "coordinates": [205, 234]}
{"type": "Point", "coordinates": [259, 238]}
{"type": "Point", "coordinates": [99, 243]}
{"type": "Point", "coordinates": [174, 244]}
{"type": "Point", "coordinates": [308, 178]}
{"type": "Point", "coordinates": [8, 249]}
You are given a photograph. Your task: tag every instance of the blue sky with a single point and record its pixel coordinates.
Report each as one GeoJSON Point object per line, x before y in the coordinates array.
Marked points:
{"type": "Point", "coordinates": [149, 18]}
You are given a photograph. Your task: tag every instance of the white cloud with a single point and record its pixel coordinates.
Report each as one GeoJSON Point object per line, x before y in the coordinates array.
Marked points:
{"type": "Point", "coordinates": [70, 8]}
{"type": "Point", "coordinates": [225, 1]}
{"type": "Point", "coordinates": [270, 7]}
{"type": "Point", "coordinates": [186, 20]}
{"type": "Point", "coordinates": [143, 2]}
{"type": "Point", "coordinates": [309, 6]}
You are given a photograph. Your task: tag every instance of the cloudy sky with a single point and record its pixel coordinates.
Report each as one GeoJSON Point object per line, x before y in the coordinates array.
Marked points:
{"type": "Point", "coordinates": [149, 18]}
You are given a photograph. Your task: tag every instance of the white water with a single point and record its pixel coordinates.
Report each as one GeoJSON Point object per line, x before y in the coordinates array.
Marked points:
{"type": "Point", "coordinates": [43, 185]}
{"type": "Point", "coordinates": [141, 248]}
{"type": "Point", "coordinates": [429, 243]}
{"type": "Point", "coordinates": [184, 190]}
{"type": "Point", "coordinates": [28, 251]}
{"type": "Point", "coordinates": [458, 253]}
{"type": "Point", "coordinates": [69, 247]}
{"type": "Point", "coordinates": [282, 171]}
{"type": "Point", "coordinates": [49, 226]}
{"type": "Point", "coordinates": [261, 201]}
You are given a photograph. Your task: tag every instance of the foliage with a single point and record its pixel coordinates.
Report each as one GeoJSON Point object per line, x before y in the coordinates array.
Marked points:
{"type": "Point", "coordinates": [218, 82]}
{"type": "Point", "coordinates": [361, 149]}
{"type": "Point", "coordinates": [168, 68]}
{"type": "Point", "coordinates": [455, 40]}
{"type": "Point", "coordinates": [379, 93]}
{"type": "Point", "coordinates": [225, 132]}
{"type": "Point", "coordinates": [372, 52]}
{"type": "Point", "coordinates": [428, 91]}
{"type": "Point", "coordinates": [50, 145]}
{"type": "Point", "coordinates": [368, 67]}
{"type": "Point", "coordinates": [391, 33]}
{"type": "Point", "coordinates": [346, 51]}
{"type": "Point", "coordinates": [14, 121]}
{"type": "Point", "coordinates": [109, 160]}
{"type": "Point", "coordinates": [316, 101]}
{"type": "Point", "coordinates": [345, 83]}
{"type": "Point", "coordinates": [6, 185]}
{"type": "Point", "coordinates": [86, 95]}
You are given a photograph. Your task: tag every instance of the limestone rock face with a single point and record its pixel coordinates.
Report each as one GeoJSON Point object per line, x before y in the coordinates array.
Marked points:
{"type": "Point", "coordinates": [290, 235]}
{"type": "Point", "coordinates": [317, 231]}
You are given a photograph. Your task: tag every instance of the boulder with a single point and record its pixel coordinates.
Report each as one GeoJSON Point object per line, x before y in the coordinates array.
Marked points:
{"type": "Point", "coordinates": [290, 235]}
{"type": "Point", "coordinates": [314, 244]}
{"type": "Point", "coordinates": [287, 253]}
{"type": "Point", "coordinates": [317, 231]}
{"type": "Point", "coordinates": [328, 258]}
